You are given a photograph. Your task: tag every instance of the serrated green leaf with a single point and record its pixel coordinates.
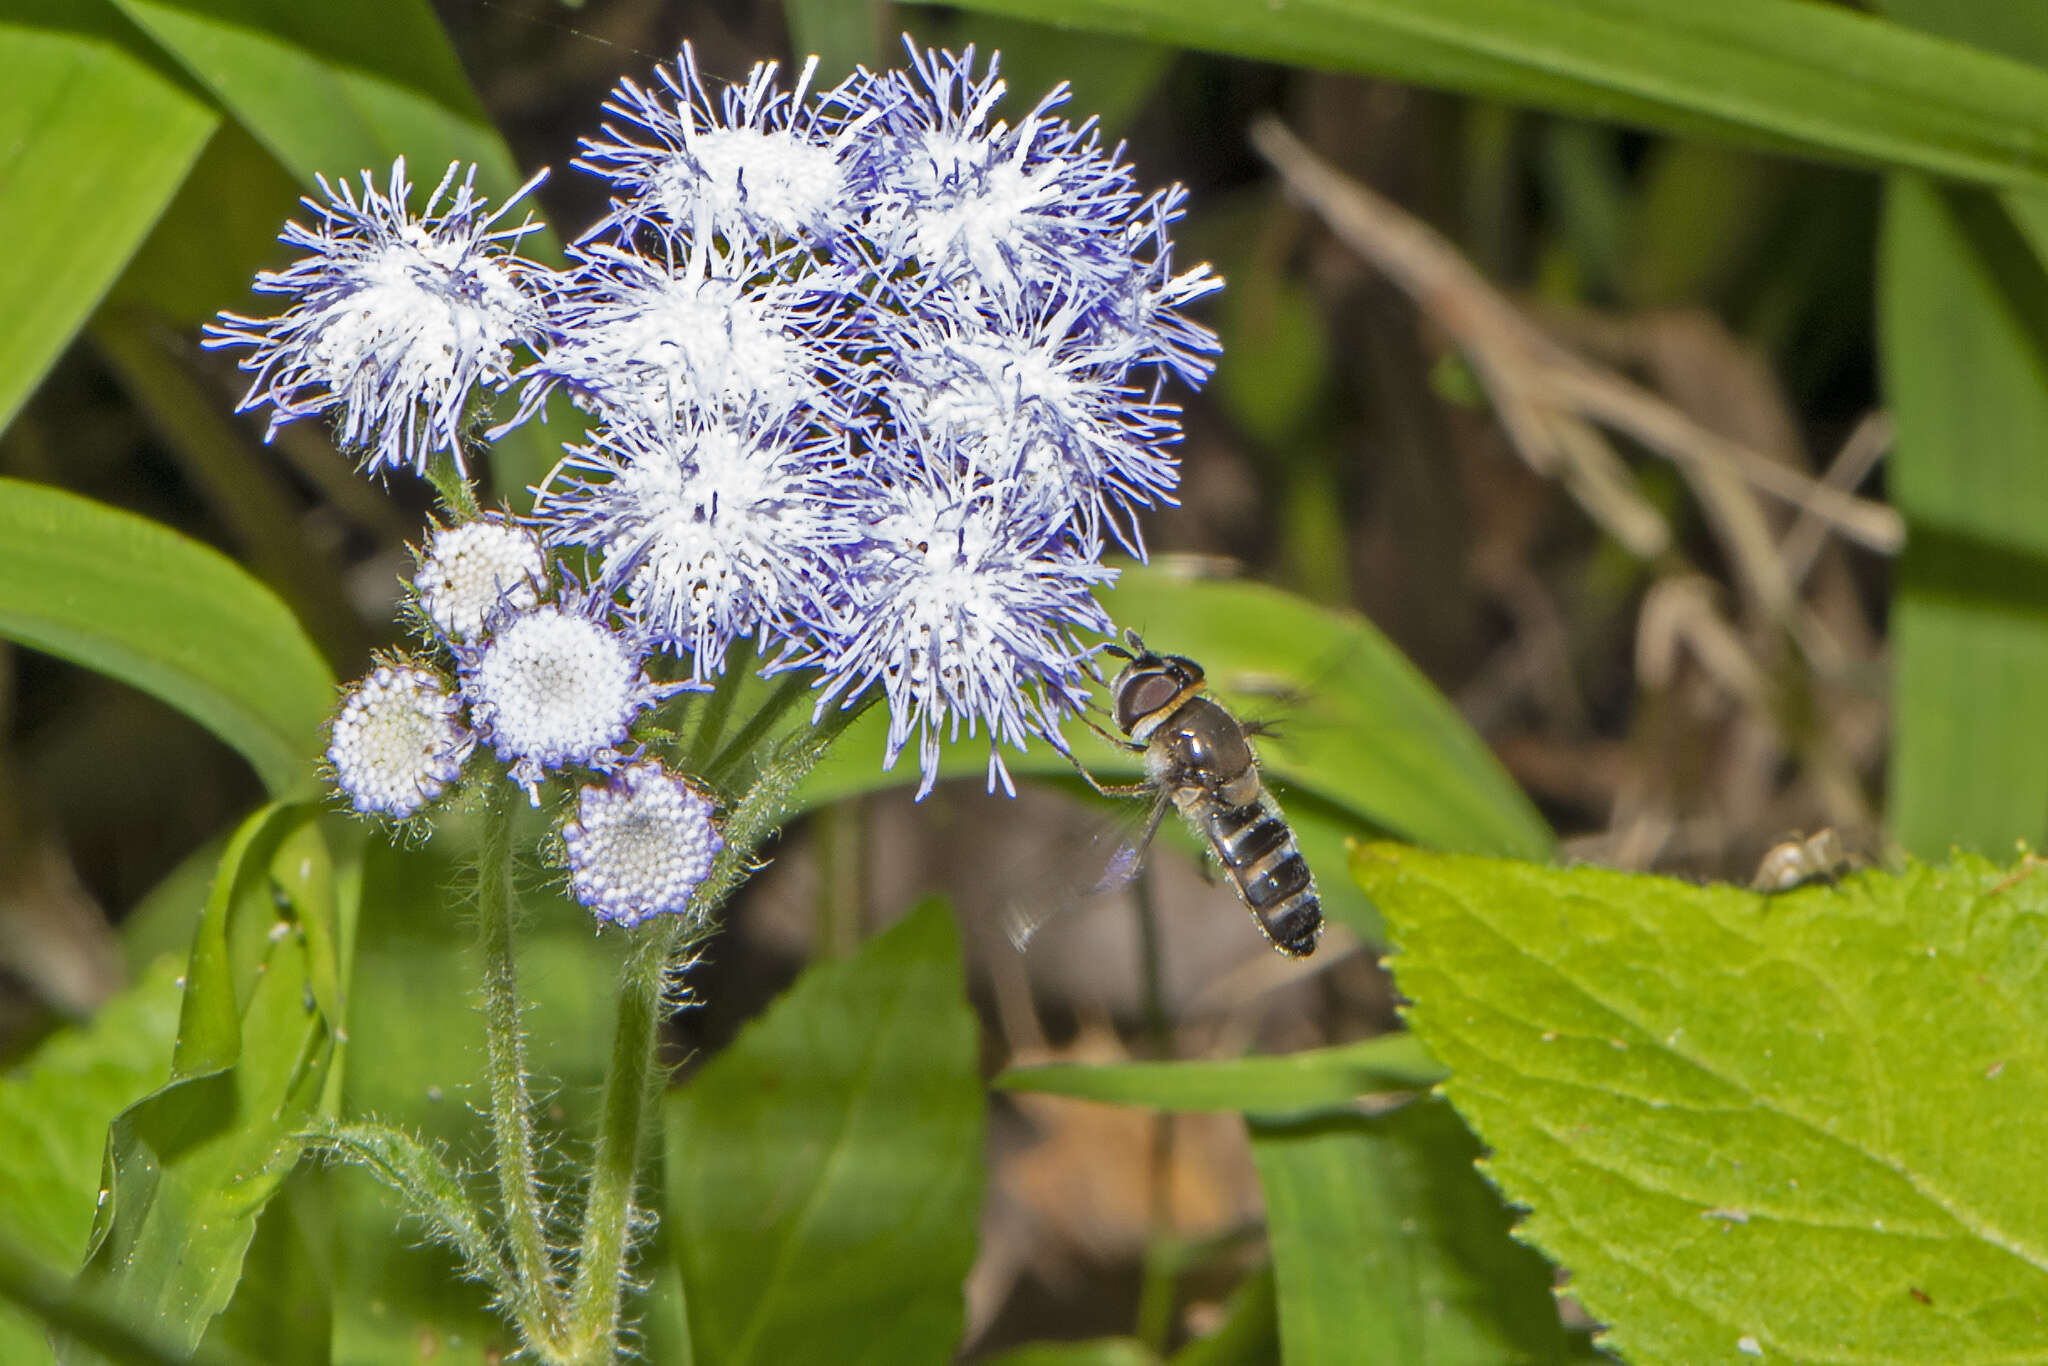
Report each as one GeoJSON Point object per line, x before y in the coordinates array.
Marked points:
{"type": "Point", "coordinates": [1786, 1127]}
{"type": "Point", "coordinates": [1791, 75]}
{"type": "Point", "coordinates": [94, 141]}
{"type": "Point", "coordinates": [1389, 1248]}
{"type": "Point", "coordinates": [825, 1170]}
{"type": "Point", "coordinates": [140, 603]}
{"type": "Point", "coordinates": [190, 1168]}
{"type": "Point", "coordinates": [415, 1062]}
{"type": "Point", "coordinates": [1313, 1079]}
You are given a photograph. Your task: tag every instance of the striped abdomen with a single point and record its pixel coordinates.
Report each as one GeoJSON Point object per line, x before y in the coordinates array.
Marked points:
{"type": "Point", "coordinates": [1256, 847]}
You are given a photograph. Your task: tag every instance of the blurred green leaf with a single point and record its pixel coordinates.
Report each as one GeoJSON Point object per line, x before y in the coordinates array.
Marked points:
{"type": "Point", "coordinates": [1701, 213]}
{"type": "Point", "coordinates": [283, 1305]}
{"type": "Point", "coordinates": [1749, 1126]}
{"type": "Point", "coordinates": [94, 141]}
{"type": "Point", "coordinates": [842, 34]}
{"type": "Point", "coordinates": [1388, 1247]}
{"type": "Point", "coordinates": [416, 1049]}
{"type": "Point", "coordinates": [221, 228]}
{"type": "Point", "coordinates": [1279, 350]}
{"type": "Point", "coordinates": [55, 1107]}
{"type": "Point", "coordinates": [1094, 1352]}
{"type": "Point", "coordinates": [190, 1168]}
{"type": "Point", "coordinates": [1111, 78]}
{"type": "Point", "coordinates": [1966, 376]}
{"type": "Point", "coordinates": [32, 1294]}
{"type": "Point", "coordinates": [825, 1170]}
{"type": "Point", "coordinates": [1821, 80]}
{"type": "Point", "coordinates": [138, 602]}
{"type": "Point", "coordinates": [1250, 1335]}
{"type": "Point", "coordinates": [1313, 1079]}
{"type": "Point", "coordinates": [335, 89]}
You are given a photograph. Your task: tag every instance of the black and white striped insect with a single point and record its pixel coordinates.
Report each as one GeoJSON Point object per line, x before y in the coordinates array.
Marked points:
{"type": "Point", "coordinates": [1199, 760]}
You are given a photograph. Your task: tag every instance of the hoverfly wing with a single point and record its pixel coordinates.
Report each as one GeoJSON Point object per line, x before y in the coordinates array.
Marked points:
{"type": "Point", "coordinates": [1023, 916]}
{"type": "Point", "coordinates": [1128, 860]}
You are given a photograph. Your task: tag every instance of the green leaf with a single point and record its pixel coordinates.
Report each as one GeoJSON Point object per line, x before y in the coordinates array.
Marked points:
{"type": "Point", "coordinates": [842, 34]}
{"type": "Point", "coordinates": [56, 1105]}
{"type": "Point", "coordinates": [1785, 1127]}
{"type": "Point", "coordinates": [191, 1167]}
{"type": "Point", "coordinates": [1388, 1247]}
{"type": "Point", "coordinates": [1966, 376]}
{"type": "Point", "coordinates": [54, 1111]}
{"type": "Point", "coordinates": [140, 603]}
{"type": "Point", "coordinates": [33, 1295]}
{"type": "Point", "coordinates": [415, 1064]}
{"type": "Point", "coordinates": [1821, 80]}
{"type": "Point", "coordinates": [1094, 1352]}
{"type": "Point", "coordinates": [94, 141]}
{"type": "Point", "coordinates": [825, 1170]}
{"type": "Point", "coordinates": [1250, 1335]}
{"type": "Point", "coordinates": [335, 90]}
{"type": "Point", "coordinates": [1313, 1079]}
{"type": "Point", "coordinates": [283, 1306]}
{"type": "Point", "coordinates": [1111, 78]}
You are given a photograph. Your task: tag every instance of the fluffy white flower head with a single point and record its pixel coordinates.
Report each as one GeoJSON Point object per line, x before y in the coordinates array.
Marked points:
{"type": "Point", "coordinates": [395, 319]}
{"type": "Point", "coordinates": [965, 609]}
{"type": "Point", "coordinates": [553, 687]}
{"type": "Point", "coordinates": [716, 529]}
{"type": "Point", "coordinates": [398, 742]}
{"type": "Point", "coordinates": [717, 327]}
{"type": "Point", "coordinates": [751, 156]}
{"type": "Point", "coordinates": [475, 569]}
{"type": "Point", "coordinates": [771, 176]}
{"type": "Point", "coordinates": [640, 845]}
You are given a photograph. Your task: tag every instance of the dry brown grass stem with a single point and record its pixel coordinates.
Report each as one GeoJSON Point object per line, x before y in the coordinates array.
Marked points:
{"type": "Point", "coordinates": [1550, 399]}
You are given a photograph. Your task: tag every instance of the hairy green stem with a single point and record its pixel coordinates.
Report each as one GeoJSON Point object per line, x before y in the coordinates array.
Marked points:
{"type": "Point", "coordinates": [634, 1075]}
{"type": "Point", "coordinates": [457, 493]}
{"type": "Point", "coordinates": [632, 1084]}
{"type": "Point", "coordinates": [539, 1301]}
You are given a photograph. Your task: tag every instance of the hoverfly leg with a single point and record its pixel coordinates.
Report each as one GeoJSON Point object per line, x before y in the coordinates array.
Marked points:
{"type": "Point", "coordinates": [1120, 741]}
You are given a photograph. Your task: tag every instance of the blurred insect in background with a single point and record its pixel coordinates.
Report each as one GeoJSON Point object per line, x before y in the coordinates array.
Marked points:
{"type": "Point", "coordinates": [1198, 758]}
{"type": "Point", "coordinates": [1821, 856]}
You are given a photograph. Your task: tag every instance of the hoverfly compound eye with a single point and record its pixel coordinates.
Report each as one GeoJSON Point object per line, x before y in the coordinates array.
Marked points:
{"type": "Point", "coordinates": [1142, 697]}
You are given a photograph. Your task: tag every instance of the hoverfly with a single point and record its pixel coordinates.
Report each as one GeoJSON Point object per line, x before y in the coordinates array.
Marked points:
{"type": "Point", "coordinates": [1199, 759]}
{"type": "Point", "coordinates": [1794, 863]}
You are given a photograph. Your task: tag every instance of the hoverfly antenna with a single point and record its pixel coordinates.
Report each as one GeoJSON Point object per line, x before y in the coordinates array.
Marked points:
{"type": "Point", "coordinates": [1135, 644]}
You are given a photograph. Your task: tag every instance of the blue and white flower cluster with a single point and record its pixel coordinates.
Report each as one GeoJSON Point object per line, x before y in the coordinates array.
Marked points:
{"type": "Point", "coordinates": [549, 686]}
{"type": "Point", "coordinates": [873, 378]}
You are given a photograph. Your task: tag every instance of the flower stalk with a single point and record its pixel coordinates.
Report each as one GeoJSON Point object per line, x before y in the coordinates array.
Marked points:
{"type": "Point", "coordinates": [538, 1298]}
